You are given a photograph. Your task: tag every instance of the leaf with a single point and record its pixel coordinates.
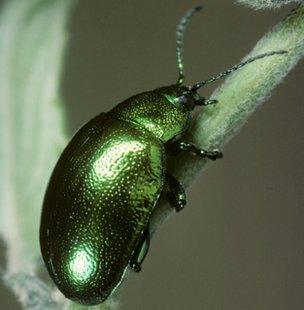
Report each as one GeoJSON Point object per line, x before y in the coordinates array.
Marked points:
{"type": "Point", "coordinates": [245, 90]}
{"type": "Point", "coordinates": [239, 96]}
{"type": "Point", "coordinates": [33, 294]}
{"type": "Point", "coordinates": [267, 4]}
{"type": "Point", "coordinates": [32, 134]}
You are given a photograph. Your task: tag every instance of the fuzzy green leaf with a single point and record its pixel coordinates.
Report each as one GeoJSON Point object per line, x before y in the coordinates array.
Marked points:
{"type": "Point", "coordinates": [239, 96]}
{"type": "Point", "coordinates": [267, 4]}
{"type": "Point", "coordinates": [32, 135]}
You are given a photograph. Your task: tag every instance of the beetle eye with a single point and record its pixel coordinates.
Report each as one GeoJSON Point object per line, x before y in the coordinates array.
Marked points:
{"type": "Point", "coordinates": [182, 100]}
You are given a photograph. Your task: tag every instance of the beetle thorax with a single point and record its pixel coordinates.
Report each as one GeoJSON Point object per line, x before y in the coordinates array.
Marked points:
{"type": "Point", "coordinates": [156, 112]}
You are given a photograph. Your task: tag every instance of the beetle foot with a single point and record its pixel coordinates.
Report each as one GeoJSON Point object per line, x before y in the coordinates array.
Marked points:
{"type": "Point", "coordinates": [213, 155]}
{"type": "Point", "coordinates": [190, 147]}
{"type": "Point", "coordinates": [204, 102]}
{"type": "Point", "coordinates": [176, 195]}
{"type": "Point", "coordinates": [135, 267]}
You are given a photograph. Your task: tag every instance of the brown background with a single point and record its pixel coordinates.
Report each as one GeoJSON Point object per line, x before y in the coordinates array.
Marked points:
{"type": "Point", "coordinates": [239, 243]}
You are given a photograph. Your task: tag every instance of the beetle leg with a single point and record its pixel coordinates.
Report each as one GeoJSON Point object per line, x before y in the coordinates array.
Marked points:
{"type": "Point", "coordinates": [203, 101]}
{"type": "Point", "coordinates": [176, 195]}
{"type": "Point", "coordinates": [190, 147]}
{"type": "Point", "coordinates": [141, 251]}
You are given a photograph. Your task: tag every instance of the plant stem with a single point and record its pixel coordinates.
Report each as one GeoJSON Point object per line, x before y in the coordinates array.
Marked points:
{"type": "Point", "coordinates": [238, 97]}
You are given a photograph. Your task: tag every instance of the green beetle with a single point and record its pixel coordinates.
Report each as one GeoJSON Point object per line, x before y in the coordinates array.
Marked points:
{"type": "Point", "coordinates": [97, 207]}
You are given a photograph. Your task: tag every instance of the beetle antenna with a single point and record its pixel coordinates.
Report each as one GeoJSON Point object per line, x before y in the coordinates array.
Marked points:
{"type": "Point", "coordinates": [180, 31]}
{"type": "Point", "coordinates": [234, 68]}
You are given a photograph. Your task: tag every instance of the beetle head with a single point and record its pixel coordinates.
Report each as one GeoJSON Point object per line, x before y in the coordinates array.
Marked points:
{"type": "Point", "coordinates": [182, 97]}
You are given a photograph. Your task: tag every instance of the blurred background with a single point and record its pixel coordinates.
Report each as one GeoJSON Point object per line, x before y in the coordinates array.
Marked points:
{"type": "Point", "coordinates": [239, 243]}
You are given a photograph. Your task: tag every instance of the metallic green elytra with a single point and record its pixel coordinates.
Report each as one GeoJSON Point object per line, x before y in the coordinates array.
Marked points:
{"type": "Point", "coordinates": [97, 207]}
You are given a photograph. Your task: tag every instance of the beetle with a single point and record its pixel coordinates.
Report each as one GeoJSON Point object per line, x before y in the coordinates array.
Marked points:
{"type": "Point", "coordinates": [108, 180]}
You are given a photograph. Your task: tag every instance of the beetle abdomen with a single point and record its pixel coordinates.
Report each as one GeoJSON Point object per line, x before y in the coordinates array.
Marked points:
{"type": "Point", "coordinates": [99, 200]}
